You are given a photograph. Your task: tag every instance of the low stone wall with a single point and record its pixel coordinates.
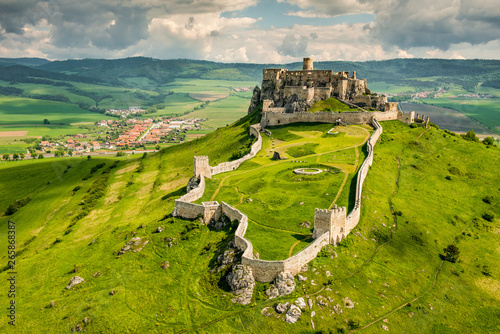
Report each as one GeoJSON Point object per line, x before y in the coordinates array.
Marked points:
{"type": "Point", "coordinates": [196, 193]}
{"type": "Point", "coordinates": [295, 263]}
{"type": "Point", "coordinates": [232, 165]}
{"type": "Point", "coordinates": [188, 210]}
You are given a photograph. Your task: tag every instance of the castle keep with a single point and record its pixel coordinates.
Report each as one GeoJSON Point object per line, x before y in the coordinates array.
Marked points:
{"type": "Point", "coordinates": [296, 91]}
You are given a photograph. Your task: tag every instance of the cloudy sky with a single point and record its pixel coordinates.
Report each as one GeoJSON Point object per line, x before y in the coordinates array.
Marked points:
{"type": "Point", "coordinates": [265, 31]}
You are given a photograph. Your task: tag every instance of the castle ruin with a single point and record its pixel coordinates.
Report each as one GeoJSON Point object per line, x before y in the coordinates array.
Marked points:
{"type": "Point", "coordinates": [286, 96]}
{"type": "Point", "coordinates": [296, 91]}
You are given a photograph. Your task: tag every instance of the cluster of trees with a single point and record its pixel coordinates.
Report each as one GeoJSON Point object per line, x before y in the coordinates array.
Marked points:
{"type": "Point", "coordinates": [471, 136]}
{"type": "Point", "coordinates": [21, 156]}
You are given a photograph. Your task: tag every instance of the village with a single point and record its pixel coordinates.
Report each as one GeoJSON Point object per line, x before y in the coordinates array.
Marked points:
{"type": "Point", "coordinates": [115, 135]}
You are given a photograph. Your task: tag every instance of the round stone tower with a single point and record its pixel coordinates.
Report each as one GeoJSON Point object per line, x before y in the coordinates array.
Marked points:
{"type": "Point", "coordinates": [308, 64]}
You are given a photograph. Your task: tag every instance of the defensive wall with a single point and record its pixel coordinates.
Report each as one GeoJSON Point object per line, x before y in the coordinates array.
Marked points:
{"type": "Point", "coordinates": [330, 226]}
{"type": "Point", "coordinates": [272, 118]}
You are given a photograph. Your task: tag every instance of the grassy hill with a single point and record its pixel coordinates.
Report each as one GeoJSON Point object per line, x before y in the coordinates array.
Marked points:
{"type": "Point", "coordinates": [425, 190]}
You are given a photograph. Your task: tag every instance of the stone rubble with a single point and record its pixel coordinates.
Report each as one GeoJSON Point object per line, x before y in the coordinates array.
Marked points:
{"type": "Point", "coordinates": [348, 303]}
{"type": "Point", "coordinates": [134, 245]}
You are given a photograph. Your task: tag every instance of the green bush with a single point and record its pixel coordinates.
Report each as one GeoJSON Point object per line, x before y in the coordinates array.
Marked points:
{"type": "Point", "coordinates": [489, 216]}
{"type": "Point", "coordinates": [16, 206]}
{"type": "Point", "coordinates": [451, 253]}
{"type": "Point", "coordinates": [470, 136]}
{"type": "Point", "coordinates": [488, 199]}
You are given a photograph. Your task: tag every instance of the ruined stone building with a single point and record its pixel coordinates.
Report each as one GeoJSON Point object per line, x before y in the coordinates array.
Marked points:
{"type": "Point", "coordinates": [296, 91]}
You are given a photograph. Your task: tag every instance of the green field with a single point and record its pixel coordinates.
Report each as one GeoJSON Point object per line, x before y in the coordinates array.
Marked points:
{"type": "Point", "coordinates": [223, 112]}
{"type": "Point", "coordinates": [485, 111]}
{"type": "Point", "coordinates": [385, 87]}
{"type": "Point", "coordinates": [17, 111]}
{"type": "Point", "coordinates": [424, 189]}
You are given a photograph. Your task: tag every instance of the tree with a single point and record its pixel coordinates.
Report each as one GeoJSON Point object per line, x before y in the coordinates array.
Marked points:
{"type": "Point", "coordinates": [157, 147]}
{"type": "Point", "coordinates": [89, 157]}
{"type": "Point", "coordinates": [46, 121]}
{"type": "Point", "coordinates": [488, 141]}
{"type": "Point", "coordinates": [70, 153]}
{"type": "Point", "coordinates": [34, 155]}
{"type": "Point", "coordinates": [6, 156]}
{"type": "Point", "coordinates": [471, 136]}
{"type": "Point", "coordinates": [21, 155]}
{"type": "Point", "coordinates": [451, 253]}
{"type": "Point", "coordinates": [40, 156]}
{"type": "Point", "coordinates": [15, 156]}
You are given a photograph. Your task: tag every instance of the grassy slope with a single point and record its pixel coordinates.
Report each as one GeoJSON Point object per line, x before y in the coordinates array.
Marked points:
{"type": "Point", "coordinates": [331, 104]}
{"type": "Point", "coordinates": [150, 299]}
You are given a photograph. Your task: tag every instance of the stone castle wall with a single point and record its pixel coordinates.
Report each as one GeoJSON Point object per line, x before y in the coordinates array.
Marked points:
{"type": "Point", "coordinates": [270, 118]}
{"type": "Point", "coordinates": [353, 218]}
{"type": "Point", "coordinates": [196, 193]}
{"type": "Point", "coordinates": [232, 165]}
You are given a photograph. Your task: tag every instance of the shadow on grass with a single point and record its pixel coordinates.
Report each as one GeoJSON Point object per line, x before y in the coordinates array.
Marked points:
{"type": "Point", "coordinates": [176, 193]}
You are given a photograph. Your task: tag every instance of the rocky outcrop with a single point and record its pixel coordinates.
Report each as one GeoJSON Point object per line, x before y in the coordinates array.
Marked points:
{"type": "Point", "coordinates": [293, 314]}
{"type": "Point", "coordinates": [220, 223]}
{"type": "Point", "coordinates": [255, 99]}
{"type": "Point", "coordinates": [282, 307]}
{"type": "Point", "coordinates": [193, 183]}
{"type": "Point", "coordinates": [284, 284]}
{"type": "Point", "coordinates": [242, 284]}
{"type": "Point", "coordinates": [134, 245]}
{"type": "Point", "coordinates": [74, 281]}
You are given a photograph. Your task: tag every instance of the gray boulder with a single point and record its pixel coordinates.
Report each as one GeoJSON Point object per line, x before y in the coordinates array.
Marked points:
{"type": "Point", "coordinates": [285, 283]}
{"type": "Point", "coordinates": [293, 314]}
{"type": "Point", "coordinates": [301, 303]}
{"type": "Point", "coordinates": [281, 308]}
{"type": "Point", "coordinates": [242, 283]}
{"type": "Point", "coordinates": [74, 281]}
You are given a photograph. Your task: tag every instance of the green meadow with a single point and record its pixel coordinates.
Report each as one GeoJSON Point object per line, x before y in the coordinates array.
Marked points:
{"type": "Point", "coordinates": [24, 111]}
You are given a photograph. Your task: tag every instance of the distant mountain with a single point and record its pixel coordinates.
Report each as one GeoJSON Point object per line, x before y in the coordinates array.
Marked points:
{"type": "Point", "coordinates": [23, 61]}
{"type": "Point", "coordinates": [405, 72]}
{"type": "Point", "coordinates": [19, 73]}
{"type": "Point", "coordinates": [159, 71]}
{"type": "Point", "coordinates": [163, 71]}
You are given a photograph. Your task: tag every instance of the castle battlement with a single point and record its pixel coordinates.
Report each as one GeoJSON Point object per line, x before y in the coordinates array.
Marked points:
{"type": "Point", "coordinates": [298, 90]}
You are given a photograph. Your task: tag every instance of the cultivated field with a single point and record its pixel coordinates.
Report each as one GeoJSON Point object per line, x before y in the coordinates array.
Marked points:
{"type": "Point", "coordinates": [448, 118]}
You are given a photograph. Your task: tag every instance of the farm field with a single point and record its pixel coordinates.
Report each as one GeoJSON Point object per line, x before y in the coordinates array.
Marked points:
{"type": "Point", "coordinates": [447, 118]}
{"type": "Point", "coordinates": [485, 111]}
{"type": "Point", "coordinates": [17, 111]}
{"type": "Point", "coordinates": [414, 205]}
{"type": "Point", "coordinates": [275, 199]}
{"type": "Point", "coordinates": [222, 112]}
